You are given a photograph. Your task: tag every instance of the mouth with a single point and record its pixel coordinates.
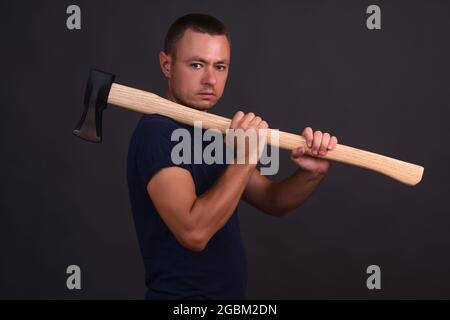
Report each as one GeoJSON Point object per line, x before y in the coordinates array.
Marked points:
{"type": "Point", "coordinates": [206, 95]}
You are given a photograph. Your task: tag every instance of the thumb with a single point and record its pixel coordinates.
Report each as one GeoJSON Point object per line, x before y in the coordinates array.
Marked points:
{"type": "Point", "coordinates": [297, 152]}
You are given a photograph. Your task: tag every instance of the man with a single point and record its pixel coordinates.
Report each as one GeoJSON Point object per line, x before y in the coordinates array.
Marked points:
{"type": "Point", "coordinates": [186, 214]}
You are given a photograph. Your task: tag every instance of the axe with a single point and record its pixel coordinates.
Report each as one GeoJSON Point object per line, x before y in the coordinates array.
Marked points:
{"type": "Point", "coordinates": [101, 90]}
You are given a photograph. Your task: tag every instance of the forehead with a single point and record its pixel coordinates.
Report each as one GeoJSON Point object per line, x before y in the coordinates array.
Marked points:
{"type": "Point", "coordinates": [203, 45]}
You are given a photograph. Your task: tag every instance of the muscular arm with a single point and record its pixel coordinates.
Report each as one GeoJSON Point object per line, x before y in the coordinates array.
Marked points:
{"type": "Point", "coordinates": [278, 198]}
{"type": "Point", "coordinates": [194, 220]}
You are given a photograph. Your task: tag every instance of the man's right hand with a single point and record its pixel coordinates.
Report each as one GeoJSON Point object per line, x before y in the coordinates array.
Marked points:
{"type": "Point", "coordinates": [246, 127]}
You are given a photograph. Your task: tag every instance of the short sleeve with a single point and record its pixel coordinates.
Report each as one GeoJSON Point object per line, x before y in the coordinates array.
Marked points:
{"type": "Point", "coordinates": [155, 148]}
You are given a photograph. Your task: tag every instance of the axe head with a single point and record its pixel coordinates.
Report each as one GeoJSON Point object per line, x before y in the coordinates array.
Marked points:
{"type": "Point", "coordinates": [95, 101]}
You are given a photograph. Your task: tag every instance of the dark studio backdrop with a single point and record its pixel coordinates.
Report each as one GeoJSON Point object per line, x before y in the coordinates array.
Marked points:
{"type": "Point", "coordinates": [64, 201]}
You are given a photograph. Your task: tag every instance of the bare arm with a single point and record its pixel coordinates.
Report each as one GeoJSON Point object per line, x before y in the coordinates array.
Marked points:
{"type": "Point", "coordinates": [194, 220]}
{"type": "Point", "coordinates": [278, 198]}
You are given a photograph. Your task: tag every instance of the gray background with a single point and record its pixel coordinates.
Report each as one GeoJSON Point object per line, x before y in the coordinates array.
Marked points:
{"type": "Point", "coordinates": [296, 63]}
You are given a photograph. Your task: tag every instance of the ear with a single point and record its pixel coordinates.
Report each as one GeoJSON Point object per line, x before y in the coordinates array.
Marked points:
{"type": "Point", "coordinates": [165, 61]}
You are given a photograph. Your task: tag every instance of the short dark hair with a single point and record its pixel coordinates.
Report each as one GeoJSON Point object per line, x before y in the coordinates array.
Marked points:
{"type": "Point", "coordinates": [198, 22]}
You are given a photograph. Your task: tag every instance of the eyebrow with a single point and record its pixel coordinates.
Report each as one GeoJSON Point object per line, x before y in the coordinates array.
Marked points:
{"type": "Point", "coordinates": [197, 58]}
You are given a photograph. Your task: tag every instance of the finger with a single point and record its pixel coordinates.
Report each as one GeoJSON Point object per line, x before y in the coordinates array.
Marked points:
{"type": "Point", "coordinates": [324, 145]}
{"type": "Point", "coordinates": [317, 140]}
{"type": "Point", "coordinates": [246, 120]}
{"type": "Point", "coordinates": [263, 125]}
{"type": "Point", "coordinates": [262, 132]}
{"type": "Point", "coordinates": [236, 119]}
{"type": "Point", "coordinates": [308, 135]}
{"type": "Point", "coordinates": [333, 143]}
{"type": "Point", "coordinates": [254, 123]}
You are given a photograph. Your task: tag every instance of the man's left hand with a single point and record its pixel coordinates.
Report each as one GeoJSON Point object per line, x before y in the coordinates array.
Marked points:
{"type": "Point", "coordinates": [319, 143]}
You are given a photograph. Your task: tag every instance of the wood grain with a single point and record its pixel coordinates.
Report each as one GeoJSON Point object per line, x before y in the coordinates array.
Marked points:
{"type": "Point", "coordinates": [147, 102]}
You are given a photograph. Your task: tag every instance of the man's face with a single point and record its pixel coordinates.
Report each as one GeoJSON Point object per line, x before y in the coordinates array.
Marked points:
{"type": "Point", "coordinates": [198, 72]}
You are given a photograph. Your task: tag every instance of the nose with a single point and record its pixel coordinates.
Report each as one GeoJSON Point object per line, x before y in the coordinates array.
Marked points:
{"type": "Point", "coordinates": [209, 77]}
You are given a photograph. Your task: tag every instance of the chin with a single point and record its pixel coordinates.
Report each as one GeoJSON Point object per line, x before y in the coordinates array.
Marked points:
{"type": "Point", "coordinates": [203, 105]}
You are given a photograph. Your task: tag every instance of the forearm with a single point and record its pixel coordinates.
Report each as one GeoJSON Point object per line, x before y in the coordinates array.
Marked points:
{"type": "Point", "coordinates": [213, 208]}
{"type": "Point", "coordinates": [290, 193]}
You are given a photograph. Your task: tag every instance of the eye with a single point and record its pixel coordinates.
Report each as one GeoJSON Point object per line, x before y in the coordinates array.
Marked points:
{"type": "Point", "coordinates": [196, 65]}
{"type": "Point", "coordinates": [221, 67]}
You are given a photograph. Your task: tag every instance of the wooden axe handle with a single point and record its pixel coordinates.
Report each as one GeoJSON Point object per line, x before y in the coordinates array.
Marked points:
{"type": "Point", "coordinates": [147, 102]}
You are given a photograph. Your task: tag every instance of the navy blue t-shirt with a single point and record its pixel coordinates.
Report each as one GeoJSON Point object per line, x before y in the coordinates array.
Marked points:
{"type": "Point", "coordinates": [171, 270]}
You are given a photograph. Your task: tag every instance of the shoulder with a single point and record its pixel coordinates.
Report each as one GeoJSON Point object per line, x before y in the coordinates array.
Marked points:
{"type": "Point", "coordinates": [156, 125]}
{"type": "Point", "coordinates": [158, 121]}
{"type": "Point", "coordinates": [153, 135]}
